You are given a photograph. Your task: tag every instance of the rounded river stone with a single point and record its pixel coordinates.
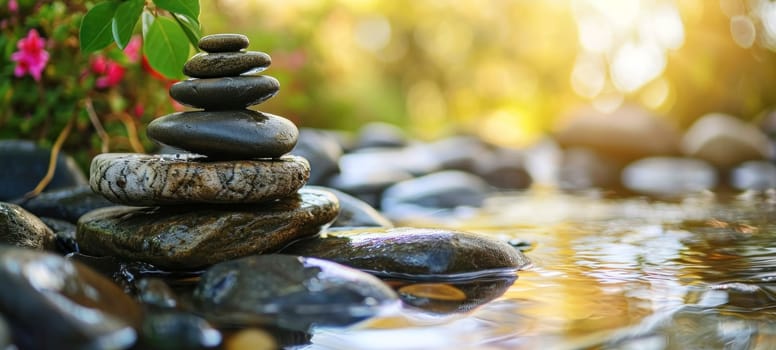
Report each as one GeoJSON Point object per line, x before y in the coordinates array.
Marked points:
{"type": "Point", "coordinates": [290, 292]}
{"type": "Point", "coordinates": [415, 252]}
{"type": "Point", "coordinates": [242, 134]}
{"type": "Point", "coordinates": [226, 64]}
{"type": "Point", "coordinates": [188, 237]}
{"type": "Point", "coordinates": [162, 179]}
{"type": "Point", "coordinates": [225, 93]}
{"type": "Point", "coordinates": [54, 303]}
{"type": "Point", "coordinates": [20, 228]}
{"type": "Point", "coordinates": [223, 42]}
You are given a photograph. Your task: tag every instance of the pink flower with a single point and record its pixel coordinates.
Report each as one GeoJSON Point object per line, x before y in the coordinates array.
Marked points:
{"type": "Point", "coordinates": [132, 50]}
{"type": "Point", "coordinates": [109, 73]}
{"type": "Point", "coordinates": [13, 6]}
{"type": "Point", "coordinates": [31, 57]}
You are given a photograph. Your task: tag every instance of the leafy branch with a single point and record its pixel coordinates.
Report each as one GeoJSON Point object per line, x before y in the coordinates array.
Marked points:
{"type": "Point", "coordinates": [168, 26]}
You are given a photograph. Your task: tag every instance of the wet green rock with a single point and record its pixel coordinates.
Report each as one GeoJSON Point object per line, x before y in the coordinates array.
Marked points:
{"type": "Point", "coordinates": [54, 303]}
{"type": "Point", "coordinates": [225, 93]}
{"type": "Point", "coordinates": [226, 64]}
{"type": "Point", "coordinates": [242, 134]}
{"type": "Point", "coordinates": [20, 228]}
{"type": "Point", "coordinates": [290, 292]}
{"type": "Point", "coordinates": [187, 237]}
{"type": "Point", "coordinates": [226, 42]}
{"type": "Point", "coordinates": [414, 252]}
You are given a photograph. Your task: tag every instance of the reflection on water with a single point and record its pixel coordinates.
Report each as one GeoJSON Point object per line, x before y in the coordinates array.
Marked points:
{"type": "Point", "coordinates": [699, 272]}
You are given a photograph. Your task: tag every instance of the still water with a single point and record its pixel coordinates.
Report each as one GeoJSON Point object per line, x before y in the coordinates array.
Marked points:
{"type": "Point", "coordinates": [697, 272]}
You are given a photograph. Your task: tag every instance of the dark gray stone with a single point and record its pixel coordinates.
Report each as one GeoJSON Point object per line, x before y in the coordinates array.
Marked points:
{"type": "Point", "coordinates": [54, 303]}
{"type": "Point", "coordinates": [430, 194]}
{"type": "Point", "coordinates": [503, 168]}
{"type": "Point", "coordinates": [354, 212]}
{"type": "Point", "coordinates": [226, 42]}
{"type": "Point", "coordinates": [5, 334]}
{"type": "Point", "coordinates": [242, 134]}
{"type": "Point", "coordinates": [66, 203]}
{"type": "Point", "coordinates": [64, 231]}
{"type": "Point", "coordinates": [20, 228]}
{"type": "Point", "coordinates": [225, 93]}
{"type": "Point", "coordinates": [175, 330]}
{"type": "Point", "coordinates": [378, 134]}
{"type": "Point", "coordinates": [583, 169]}
{"type": "Point", "coordinates": [189, 237]}
{"type": "Point", "coordinates": [322, 150]}
{"type": "Point", "coordinates": [154, 292]}
{"type": "Point", "coordinates": [415, 253]}
{"type": "Point", "coordinates": [226, 64]}
{"type": "Point", "coordinates": [25, 164]}
{"type": "Point", "coordinates": [290, 292]}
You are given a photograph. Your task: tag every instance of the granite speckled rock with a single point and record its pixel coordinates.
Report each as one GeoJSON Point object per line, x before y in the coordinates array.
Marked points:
{"type": "Point", "coordinates": [138, 179]}
{"type": "Point", "coordinates": [225, 64]}
{"type": "Point", "coordinates": [54, 303]}
{"type": "Point", "coordinates": [225, 93]}
{"type": "Point", "coordinates": [187, 237]}
{"type": "Point", "coordinates": [226, 42]}
{"type": "Point", "coordinates": [290, 292]}
{"type": "Point", "coordinates": [414, 252]}
{"type": "Point", "coordinates": [242, 134]}
{"type": "Point", "coordinates": [20, 228]}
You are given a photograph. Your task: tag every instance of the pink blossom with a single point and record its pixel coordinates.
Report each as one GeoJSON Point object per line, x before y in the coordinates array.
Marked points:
{"type": "Point", "coordinates": [109, 73]}
{"type": "Point", "coordinates": [13, 6]}
{"type": "Point", "coordinates": [132, 50]}
{"type": "Point", "coordinates": [31, 57]}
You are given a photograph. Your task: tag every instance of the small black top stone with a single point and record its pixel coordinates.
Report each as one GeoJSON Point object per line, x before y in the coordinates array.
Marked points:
{"type": "Point", "coordinates": [223, 42]}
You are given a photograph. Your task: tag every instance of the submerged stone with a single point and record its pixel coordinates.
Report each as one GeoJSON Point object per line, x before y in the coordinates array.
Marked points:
{"type": "Point", "coordinates": [226, 42]}
{"type": "Point", "coordinates": [188, 237]}
{"type": "Point", "coordinates": [290, 292]}
{"type": "Point", "coordinates": [242, 134]}
{"type": "Point", "coordinates": [225, 93]}
{"type": "Point", "coordinates": [226, 64]}
{"type": "Point", "coordinates": [140, 179]}
{"type": "Point", "coordinates": [452, 297]}
{"type": "Point", "coordinates": [415, 252]}
{"type": "Point", "coordinates": [54, 303]}
{"type": "Point", "coordinates": [20, 228]}
{"type": "Point", "coordinates": [175, 330]}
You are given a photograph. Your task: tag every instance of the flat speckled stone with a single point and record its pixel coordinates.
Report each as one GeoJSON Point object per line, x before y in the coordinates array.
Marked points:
{"type": "Point", "coordinates": [225, 93]}
{"type": "Point", "coordinates": [415, 252]}
{"type": "Point", "coordinates": [223, 42]}
{"type": "Point", "coordinates": [240, 134]}
{"type": "Point", "coordinates": [226, 64]}
{"type": "Point", "coordinates": [140, 179]}
{"type": "Point", "coordinates": [187, 237]}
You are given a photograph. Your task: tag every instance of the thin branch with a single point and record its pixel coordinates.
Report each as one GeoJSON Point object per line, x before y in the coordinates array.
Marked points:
{"type": "Point", "coordinates": [134, 140]}
{"type": "Point", "coordinates": [52, 166]}
{"type": "Point", "coordinates": [104, 138]}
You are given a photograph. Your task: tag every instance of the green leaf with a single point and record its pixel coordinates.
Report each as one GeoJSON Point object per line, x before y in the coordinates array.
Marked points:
{"type": "Point", "coordinates": [184, 7]}
{"type": "Point", "coordinates": [190, 27]}
{"type": "Point", "coordinates": [124, 21]}
{"type": "Point", "coordinates": [166, 47]}
{"type": "Point", "coordinates": [96, 32]}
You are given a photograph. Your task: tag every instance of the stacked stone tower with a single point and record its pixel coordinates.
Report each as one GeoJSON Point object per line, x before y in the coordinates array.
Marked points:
{"type": "Point", "coordinates": [235, 192]}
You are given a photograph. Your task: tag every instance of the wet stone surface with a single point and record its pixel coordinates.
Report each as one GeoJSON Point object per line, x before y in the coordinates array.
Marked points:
{"type": "Point", "coordinates": [188, 237]}
{"type": "Point", "coordinates": [354, 212]}
{"type": "Point", "coordinates": [20, 228]}
{"type": "Point", "coordinates": [415, 253]}
{"type": "Point", "coordinates": [225, 93]}
{"type": "Point", "coordinates": [290, 292]}
{"type": "Point", "coordinates": [452, 297]}
{"type": "Point", "coordinates": [241, 134]}
{"type": "Point", "coordinates": [225, 64]}
{"type": "Point", "coordinates": [81, 309]}
{"type": "Point", "coordinates": [139, 179]}
{"type": "Point", "coordinates": [223, 42]}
